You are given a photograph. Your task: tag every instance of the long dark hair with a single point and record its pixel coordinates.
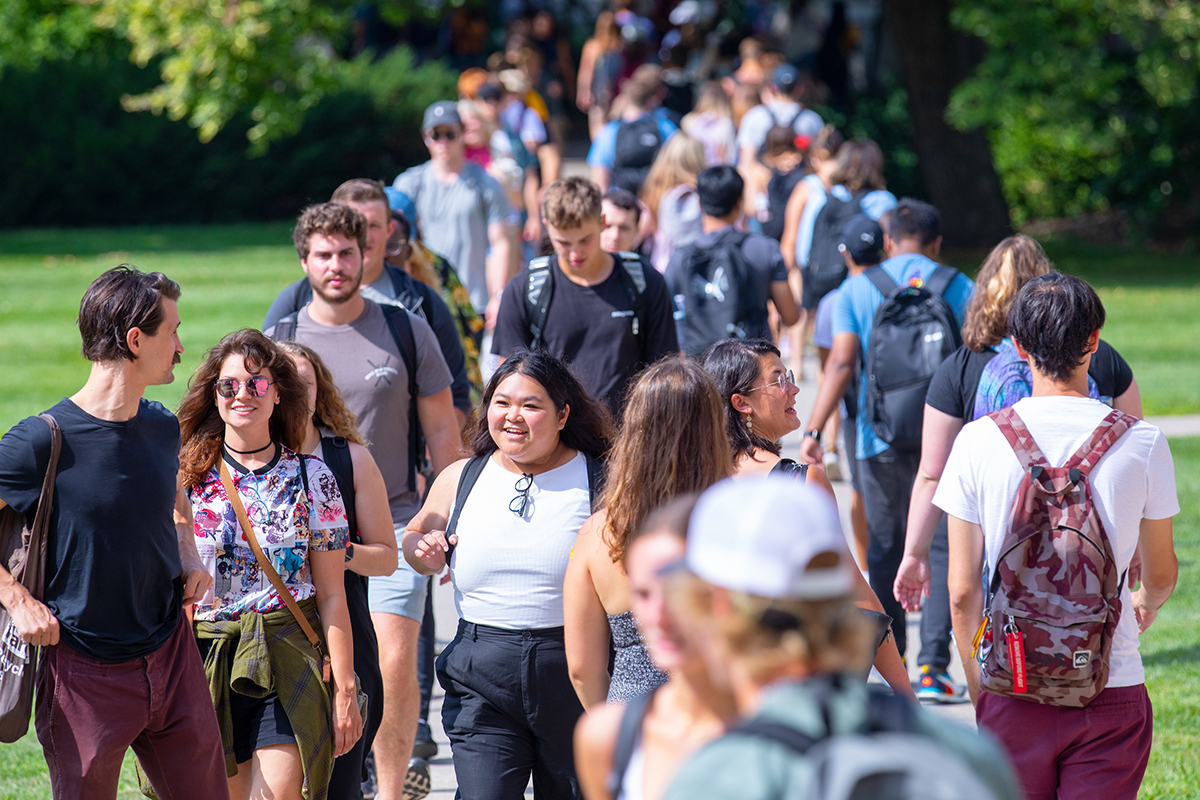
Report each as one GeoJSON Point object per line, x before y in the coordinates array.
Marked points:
{"type": "Point", "coordinates": [736, 366]}
{"type": "Point", "coordinates": [200, 425]}
{"type": "Point", "coordinates": [589, 425]}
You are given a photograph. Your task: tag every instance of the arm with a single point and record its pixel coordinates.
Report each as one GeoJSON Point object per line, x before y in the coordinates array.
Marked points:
{"type": "Point", "coordinates": [791, 224]}
{"type": "Point", "coordinates": [440, 427]}
{"type": "Point", "coordinates": [1130, 400]}
{"type": "Point", "coordinates": [839, 370]}
{"type": "Point", "coordinates": [601, 177]}
{"type": "Point", "coordinates": [529, 194]}
{"type": "Point", "coordinates": [785, 303]}
{"type": "Point", "coordinates": [376, 554]}
{"type": "Point", "coordinates": [1160, 570]}
{"type": "Point", "coordinates": [327, 571]}
{"type": "Point", "coordinates": [33, 619]}
{"type": "Point", "coordinates": [595, 743]}
{"type": "Point", "coordinates": [587, 64]}
{"type": "Point", "coordinates": [887, 658]}
{"type": "Point", "coordinates": [912, 578]}
{"type": "Point", "coordinates": [586, 633]}
{"type": "Point", "coordinates": [424, 542]}
{"type": "Point", "coordinates": [196, 578]}
{"type": "Point", "coordinates": [500, 267]}
{"type": "Point", "coordinates": [965, 580]}
{"type": "Point", "coordinates": [550, 159]}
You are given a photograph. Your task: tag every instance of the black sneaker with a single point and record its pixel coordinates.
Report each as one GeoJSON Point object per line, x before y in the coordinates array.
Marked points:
{"type": "Point", "coordinates": [424, 746]}
{"type": "Point", "coordinates": [416, 781]}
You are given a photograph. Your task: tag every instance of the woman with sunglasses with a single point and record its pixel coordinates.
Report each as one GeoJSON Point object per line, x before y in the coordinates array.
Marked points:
{"type": "Point", "coordinates": [671, 442]}
{"type": "Point", "coordinates": [504, 521]}
{"type": "Point", "coordinates": [242, 423]}
{"type": "Point", "coordinates": [759, 396]}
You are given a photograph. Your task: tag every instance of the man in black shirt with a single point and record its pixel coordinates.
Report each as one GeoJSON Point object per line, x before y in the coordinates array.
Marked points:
{"type": "Point", "coordinates": [119, 667]}
{"type": "Point", "coordinates": [608, 316]}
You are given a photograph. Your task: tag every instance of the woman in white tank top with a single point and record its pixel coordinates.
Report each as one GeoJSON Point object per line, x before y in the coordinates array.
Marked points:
{"type": "Point", "coordinates": [504, 520]}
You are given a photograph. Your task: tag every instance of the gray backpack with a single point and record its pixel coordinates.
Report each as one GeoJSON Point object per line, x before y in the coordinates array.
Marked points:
{"type": "Point", "coordinates": [888, 759]}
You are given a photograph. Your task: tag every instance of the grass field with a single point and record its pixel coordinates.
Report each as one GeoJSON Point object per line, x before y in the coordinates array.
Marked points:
{"type": "Point", "coordinates": [230, 274]}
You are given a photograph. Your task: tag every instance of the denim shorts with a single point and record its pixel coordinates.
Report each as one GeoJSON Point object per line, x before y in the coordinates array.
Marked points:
{"type": "Point", "coordinates": [402, 593]}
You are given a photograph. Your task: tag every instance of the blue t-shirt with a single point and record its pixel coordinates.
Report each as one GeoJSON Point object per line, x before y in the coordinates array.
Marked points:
{"type": "Point", "coordinates": [604, 148]}
{"type": "Point", "coordinates": [855, 313]}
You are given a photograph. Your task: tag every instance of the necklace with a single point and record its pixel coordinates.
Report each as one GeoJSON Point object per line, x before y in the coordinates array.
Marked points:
{"type": "Point", "coordinates": [247, 452]}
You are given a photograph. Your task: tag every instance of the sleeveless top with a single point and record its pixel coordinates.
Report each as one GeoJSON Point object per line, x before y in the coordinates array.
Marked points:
{"type": "Point", "coordinates": [508, 570]}
{"type": "Point", "coordinates": [633, 672]}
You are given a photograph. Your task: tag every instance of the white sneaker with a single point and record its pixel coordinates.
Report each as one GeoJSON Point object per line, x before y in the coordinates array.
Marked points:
{"type": "Point", "coordinates": [833, 469]}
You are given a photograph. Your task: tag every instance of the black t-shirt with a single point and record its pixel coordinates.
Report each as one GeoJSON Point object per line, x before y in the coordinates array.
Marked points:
{"type": "Point", "coordinates": [112, 560]}
{"type": "Point", "coordinates": [953, 388]}
{"type": "Point", "coordinates": [592, 327]}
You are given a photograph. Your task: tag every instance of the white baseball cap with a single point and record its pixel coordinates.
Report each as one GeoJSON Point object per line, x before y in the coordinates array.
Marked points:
{"type": "Point", "coordinates": [759, 535]}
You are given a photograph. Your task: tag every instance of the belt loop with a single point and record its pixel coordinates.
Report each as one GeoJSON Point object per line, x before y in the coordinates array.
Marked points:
{"type": "Point", "coordinates": [473, 631]}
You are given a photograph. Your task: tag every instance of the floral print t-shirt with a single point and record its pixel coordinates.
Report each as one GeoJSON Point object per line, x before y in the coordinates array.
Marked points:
{"type": "Point", "coordinates": [288, 522]}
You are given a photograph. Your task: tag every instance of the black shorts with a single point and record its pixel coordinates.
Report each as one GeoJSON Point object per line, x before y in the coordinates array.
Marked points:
{"type": "Point", "coordinates": [257, 722]}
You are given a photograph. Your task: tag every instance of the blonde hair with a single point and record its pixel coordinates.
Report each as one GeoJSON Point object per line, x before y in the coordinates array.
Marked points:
{"type": "Point", "coordinates": [679, 161]}
{"type": "Point", "coordinates": [1013, 263]}
{"type": "Point", "coordinates": [713, 99]}
{"type": "Point", "coordinates": [570, 202]}
{"type": "Point", "coordinates": [331, 412]}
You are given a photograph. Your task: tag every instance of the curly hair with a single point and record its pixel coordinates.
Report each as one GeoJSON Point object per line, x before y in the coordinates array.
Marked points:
{"type": "Point", "coordinates": [672, 442]}
{"type": "Point", "coordinates": [328, 219]}
{"type": "Point", "coordinates": [200, 425]}
{"type": "Point", "coordinates": [331, 412]}
{"type": "Point", "coordinates": [736, 366]}
{"type": "Point", "coordinates": [1013, 263]}
{"type": "Point", "coordinates": [589, 425]}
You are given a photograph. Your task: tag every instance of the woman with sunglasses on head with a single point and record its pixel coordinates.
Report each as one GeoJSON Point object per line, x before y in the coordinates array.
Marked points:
{"type": "Point", "coordinates": [504, 520]}
{"type": "Point", "coordinates": [759, 396]}
{"type": "Point", "coordinates": [671, 442]}
{"type": "Point", "coordinates": [286, 707]}
{"type": "Point", "coordinates": [332, 435]}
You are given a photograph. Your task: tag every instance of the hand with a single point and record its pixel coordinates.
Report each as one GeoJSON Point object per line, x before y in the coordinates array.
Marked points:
{"type": "Point", "coordinates": [1144, 610]}
{"type": "Point", "coordinates": [1135, 570]}
{"type": "Point", "coordinates": [347, 721]}
{"type": "Point", "coordinates": [432, 548]}
{"type": "Point", "coordinates": [196, 583]}
{"type": "Point", "coordinates": [32, 618]}
{"type": "Point", "coordinates": [490, 312]}
{"type": "Point", "coordinates": [912, 581]}
{"type": "Point", "coordinates": [584, 101]}
{"type": "Point", "coordinates": [810, 451]}
{"type": "Point", "coordinates": [533, 229]}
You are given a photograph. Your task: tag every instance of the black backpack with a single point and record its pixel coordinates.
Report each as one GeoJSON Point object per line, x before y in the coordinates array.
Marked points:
{"type": "Point", "coordinates": [406, 343]}
{"type": "Point", "coordinates": [539, 291]}
{"type": "Point", "coordinates": [715, 298]}
{"type": "Point", "coordinates": [913, 332]}
{"type": "Point", "coordinates": [826, 268]}
{"type": "Point", "coordinates": [637, 145]}
{"type": "Point", "coordinates": [779, 191]}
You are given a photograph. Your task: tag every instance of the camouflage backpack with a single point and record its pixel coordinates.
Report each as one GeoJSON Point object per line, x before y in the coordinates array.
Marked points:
{"type": "Point", "coordinates": [1054, 598]}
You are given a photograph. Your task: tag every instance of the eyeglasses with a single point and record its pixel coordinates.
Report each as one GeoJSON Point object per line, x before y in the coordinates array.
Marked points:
{"type": "Point", "coordinates": [438, 136]}
{"type": "Point", "coordinates": [521, 501]}
{"type": "Point", "coordinates": [395, 246]}
{"type": "Point", "coordinates": [256, 386]}
{"type": "Point", "coordinates": [786, 378]}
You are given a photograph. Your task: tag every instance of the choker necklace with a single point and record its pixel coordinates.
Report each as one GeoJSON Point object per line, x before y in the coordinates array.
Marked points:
{"type": "Point", "coordinates": [247, 452]}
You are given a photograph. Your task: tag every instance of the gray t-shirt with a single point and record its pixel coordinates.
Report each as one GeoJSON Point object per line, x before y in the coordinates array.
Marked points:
{"type": "Point", "coordinates": [369, 372]}
{"type": "Point", "coordinates": [454, 219]}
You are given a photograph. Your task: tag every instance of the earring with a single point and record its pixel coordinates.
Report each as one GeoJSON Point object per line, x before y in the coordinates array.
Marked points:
{"type": "Point", "coordinates": [750, 423]}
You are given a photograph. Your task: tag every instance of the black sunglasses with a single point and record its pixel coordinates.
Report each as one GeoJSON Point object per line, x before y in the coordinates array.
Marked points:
{"type": "Point", "coordinates": [449, 136]}
{"type": "Point", "coordinates": [256, 386]}
{"type": "Point", "coordinates": [521, 501]}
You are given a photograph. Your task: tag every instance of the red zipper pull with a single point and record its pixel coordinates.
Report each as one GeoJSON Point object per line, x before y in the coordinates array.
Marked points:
{"type": "Point", "coordinates": [1016, 656]}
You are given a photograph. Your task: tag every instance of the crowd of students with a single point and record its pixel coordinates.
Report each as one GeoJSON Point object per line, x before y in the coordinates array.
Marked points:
{"type": "Point", "coordinates": [570, 396]}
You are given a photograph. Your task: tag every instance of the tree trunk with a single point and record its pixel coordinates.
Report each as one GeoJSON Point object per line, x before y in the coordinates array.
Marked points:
{"type": "Point", "coordinates": [957, 166]}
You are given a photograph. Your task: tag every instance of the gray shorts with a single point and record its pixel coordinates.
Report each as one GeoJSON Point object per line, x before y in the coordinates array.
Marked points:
{"type": "Point", "coordinates": [402, 593]}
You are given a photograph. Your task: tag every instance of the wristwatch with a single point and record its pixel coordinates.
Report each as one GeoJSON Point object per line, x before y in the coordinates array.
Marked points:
{"type": "Point", "coordinates": [349, 552]}
{"type": "Point", "coordinates": [814, 434]}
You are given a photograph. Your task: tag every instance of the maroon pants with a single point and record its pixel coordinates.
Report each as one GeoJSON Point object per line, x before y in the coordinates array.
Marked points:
{"type": "Point", "coordinates": [90, 712]}
{"type": "Point", "coordinates": [1074, 753]}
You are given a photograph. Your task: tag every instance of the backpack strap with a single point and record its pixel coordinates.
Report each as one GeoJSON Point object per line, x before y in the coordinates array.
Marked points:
{"type": "Point", "coordinates": [628, 735]}
{"type": "Point", "coordinates": [633, 279]}
{"type": "Point", "coordinates": [285, 328]}
{"type": "Point", "coordinates": [792, 469]}
{"type": "Point", "coordinates": [1110, 429]}
{"type": "Point", "coordinates": [596, 476]}
{"type": "Point", "coordinates": [466, 482]}
{"type": "Point", "coordinates": [336, 452]}
{"type": "Point", "coordinates": [883, 282]}
{"type": "Point", "coordinates": [786, 735]}
{"type": "Point", "coordinates": [940, 279]}
{"type": "Point", "coordinates": [539, 290]}
{"type": "Point", "coordinates": [402, 331]}
{"type": "Point", "coordinates": [1020, 439]}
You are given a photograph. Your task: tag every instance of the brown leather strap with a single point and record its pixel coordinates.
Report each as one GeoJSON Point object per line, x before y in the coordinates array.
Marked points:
{"type": "Point", "coordinates": [265, 565]}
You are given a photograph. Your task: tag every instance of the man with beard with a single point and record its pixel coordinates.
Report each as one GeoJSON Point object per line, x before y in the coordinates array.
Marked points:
{"type": "Point", "coordinates": [355, 338]}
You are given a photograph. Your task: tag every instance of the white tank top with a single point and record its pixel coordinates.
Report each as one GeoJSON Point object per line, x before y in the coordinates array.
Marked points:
{"type": "Point", "coordinates": [508, 570]}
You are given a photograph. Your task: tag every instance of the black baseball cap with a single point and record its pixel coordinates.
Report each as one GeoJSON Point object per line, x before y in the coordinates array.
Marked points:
{"type": "Point", "coordinates": [862, 239]}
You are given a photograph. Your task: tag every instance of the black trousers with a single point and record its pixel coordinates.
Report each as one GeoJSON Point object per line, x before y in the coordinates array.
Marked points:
{"type": "Point", "coordinates": [348, 774]}
{"type": "Point", "coordinates": [935, 613]}
{"type": "Point", "coordinates": [510, 712]}
{"type": "Point", "coordinates": [887, 481]}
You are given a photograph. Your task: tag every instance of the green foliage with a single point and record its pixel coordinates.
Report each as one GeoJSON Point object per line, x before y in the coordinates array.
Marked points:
{"type": "Point", "coordinates": [82, 160]}
{"type": "Point", "coordinates": [32, 31]}
{"type": "Point", "coordinates": [1090, 104]}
